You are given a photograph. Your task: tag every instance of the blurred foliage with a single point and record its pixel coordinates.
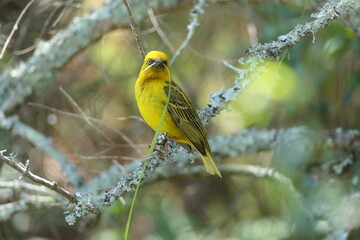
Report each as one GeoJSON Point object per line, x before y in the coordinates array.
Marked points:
{"type": "Point", "coordinates": [316, 84]}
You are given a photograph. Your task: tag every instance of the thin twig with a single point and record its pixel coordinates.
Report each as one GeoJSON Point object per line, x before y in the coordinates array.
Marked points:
{"type": "Point", "coordinates": [148, 31]}
{"type": "Point", "coordinates": [124, 145]}
{"type": "Point", "coordinates": [133, 28]}
{"type": "Point", "coordinates": [15, 27]}
{"type": "Point", "coordinates": [100, 157]}
{"type": "Point", "coordinates": [194, 13]}
{"type": "Point", "coordinates": [26, 172]}
{"type": "Point", "coordinates": [84, 116]}
{"type": "Point", "coordinates": [131, 117]}
{"type": "Point", "coordinates": [109, 158]}
{"type": "Point", "coordinates": [69, 3]}
{"type": "Point", "coordinates": [16, 127]}
{"type": "Point", "coordinates": [74, 115]}
{"type": "Point", "coordinates": [25, 50]}
{"type": "Point", "coordinates": [159, 30]}
{"type": "Point", "coordinates": [62, 13]}
{"type": "Point", "coordinates": [48, 19]}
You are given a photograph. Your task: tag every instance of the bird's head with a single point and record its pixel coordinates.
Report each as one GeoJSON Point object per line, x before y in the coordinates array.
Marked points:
{"type": "Point", "coordinates": [155, 59]}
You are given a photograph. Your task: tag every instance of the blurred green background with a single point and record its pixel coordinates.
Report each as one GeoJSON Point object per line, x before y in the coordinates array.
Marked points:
{"type": "Point", "coordinates": [316, 84]}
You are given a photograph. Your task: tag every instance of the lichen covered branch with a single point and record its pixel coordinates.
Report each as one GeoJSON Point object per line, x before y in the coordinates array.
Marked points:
{"type": "Point", "coordinates": [253, 65]}
{"type": "Point", "coordinates": [323, 18]}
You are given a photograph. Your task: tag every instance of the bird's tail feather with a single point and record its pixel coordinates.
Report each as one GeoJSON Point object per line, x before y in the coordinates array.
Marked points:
{"type": "Point", "coordinates": [210, 165]}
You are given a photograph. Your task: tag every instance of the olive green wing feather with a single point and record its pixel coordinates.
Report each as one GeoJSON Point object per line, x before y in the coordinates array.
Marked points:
{"type": "Point", "coordinates": [182, 111]}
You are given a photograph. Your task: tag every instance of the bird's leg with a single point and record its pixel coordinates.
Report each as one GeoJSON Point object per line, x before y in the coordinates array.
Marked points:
{"type": "Point", "coordinates": [163, 140]}
{"type": "Point", "coordinates": [161, 143]}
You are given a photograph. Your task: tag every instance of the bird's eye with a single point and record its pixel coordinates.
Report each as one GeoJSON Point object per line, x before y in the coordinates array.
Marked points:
{"type": "Point", "coordinates": [150, 61]}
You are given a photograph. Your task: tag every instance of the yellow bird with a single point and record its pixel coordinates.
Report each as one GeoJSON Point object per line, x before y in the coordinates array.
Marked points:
{"type": "Point", "coordinates": [182, 123]}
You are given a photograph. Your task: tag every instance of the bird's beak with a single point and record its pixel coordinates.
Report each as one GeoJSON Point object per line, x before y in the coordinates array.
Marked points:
{"type": "Point", "coordinates": [157, 62]}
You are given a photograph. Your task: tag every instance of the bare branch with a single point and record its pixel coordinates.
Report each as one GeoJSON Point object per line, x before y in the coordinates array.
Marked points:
{"type": "Point", "coordinates": [98, 121]}
{"type": "Point", "coordinates": [194, 13]}
{"type": "Point", "coordinates": [15, 28]}
{"type": "Point", "coordinates": [133, 28]}
{"type": "Point", "coordinates": [130, 118]}
{"type": "Point", "coordinates": [16, 127]}
{"type": "Point", "coordinates": [83, 115]}
{"type": "Point", "coordinates": [68, 4]}
{"type": "Point", "coordinates": [159, 31]}
{"type": "Point", "coordinates": [26, 172]}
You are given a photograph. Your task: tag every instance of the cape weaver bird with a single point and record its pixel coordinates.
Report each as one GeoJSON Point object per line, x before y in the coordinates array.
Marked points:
{"type": "Point", "coordinates": [181, 122]}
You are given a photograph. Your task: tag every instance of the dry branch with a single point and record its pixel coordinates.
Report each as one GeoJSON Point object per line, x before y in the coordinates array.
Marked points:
{"type": "Point", "coordinates": [13, 125]}
{"type": "Point", "coordinates": [24, 170]}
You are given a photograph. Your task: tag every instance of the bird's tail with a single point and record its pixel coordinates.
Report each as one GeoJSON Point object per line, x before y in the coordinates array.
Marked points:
{"type": "Point", "coordinates": [210, 164]}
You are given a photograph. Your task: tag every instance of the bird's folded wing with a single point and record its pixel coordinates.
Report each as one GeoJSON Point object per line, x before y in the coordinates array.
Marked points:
{"type": "Point", "coordinates": [182, 111]}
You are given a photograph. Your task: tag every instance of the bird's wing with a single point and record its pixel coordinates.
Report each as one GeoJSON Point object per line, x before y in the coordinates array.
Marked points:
{"type": "Point", "coordinates": [182, 111]}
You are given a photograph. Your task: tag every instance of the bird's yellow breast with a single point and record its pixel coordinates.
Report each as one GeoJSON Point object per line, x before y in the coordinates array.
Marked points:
{"type": "Point", "coordinates": [151, 99]}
